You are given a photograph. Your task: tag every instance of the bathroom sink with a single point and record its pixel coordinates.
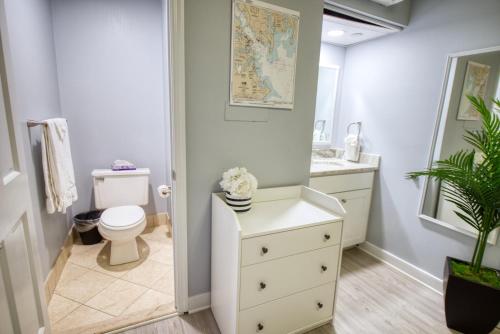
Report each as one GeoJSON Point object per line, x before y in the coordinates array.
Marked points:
{"type": "Point", "coordinates": [325, 162]}
{"type": "Point", "coordinates": [332, 163]}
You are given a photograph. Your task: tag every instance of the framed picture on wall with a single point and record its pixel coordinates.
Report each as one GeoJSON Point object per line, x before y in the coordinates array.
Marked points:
{"type": "Point", "coordinates": [475, 81]}
{"type": "Point", "coordinates": [264, 41]}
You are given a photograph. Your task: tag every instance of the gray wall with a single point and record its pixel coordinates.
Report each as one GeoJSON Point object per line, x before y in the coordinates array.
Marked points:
{"type": "Point", "coordinates": [393, 86]}
{"type": "Point", "coordinates": [34, 95]}
{"type": "Point", "coordinates": [277, 152]}
{"type": "Point", "coordinates": [109, 59]}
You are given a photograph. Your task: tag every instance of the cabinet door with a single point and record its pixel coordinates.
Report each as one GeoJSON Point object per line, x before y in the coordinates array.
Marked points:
{"type": "Point", "coordinates": [357, 206]}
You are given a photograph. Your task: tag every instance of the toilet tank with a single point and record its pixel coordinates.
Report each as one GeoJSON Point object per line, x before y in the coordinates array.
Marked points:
{"type": "Point", "coordinates": [116, 188]}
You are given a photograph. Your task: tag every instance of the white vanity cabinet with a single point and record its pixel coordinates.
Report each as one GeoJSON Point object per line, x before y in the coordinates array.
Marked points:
{"type": "Point", "coordinates": [355, 192]}
{"type": "Point", "coordinates": [275, 268]}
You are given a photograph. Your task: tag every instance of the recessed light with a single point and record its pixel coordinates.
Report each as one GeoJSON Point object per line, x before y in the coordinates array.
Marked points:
{"type": "Point", "coordinates": [357, 34]}
{"type": "Point", "coordinates": [336, 33]}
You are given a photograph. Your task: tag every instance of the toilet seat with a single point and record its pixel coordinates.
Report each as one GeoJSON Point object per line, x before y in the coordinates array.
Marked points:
{"type": "Point", "coordinates": [122, 217]}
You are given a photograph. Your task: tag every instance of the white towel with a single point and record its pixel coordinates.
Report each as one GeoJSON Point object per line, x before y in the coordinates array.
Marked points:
{"type": "Point", "coordinates": [352, 148]}
{"type": "Point", "coordinates": [58, 172]}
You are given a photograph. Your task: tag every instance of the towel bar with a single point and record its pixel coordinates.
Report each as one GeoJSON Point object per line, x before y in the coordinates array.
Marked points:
{"type": "Point", "coordinates": [32, 123]}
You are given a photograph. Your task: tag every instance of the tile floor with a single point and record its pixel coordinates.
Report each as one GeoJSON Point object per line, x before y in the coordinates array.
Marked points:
{"type": "Point", "coordinates": [92, 296]}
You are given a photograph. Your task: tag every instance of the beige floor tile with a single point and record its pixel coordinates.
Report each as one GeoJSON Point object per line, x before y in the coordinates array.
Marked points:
{"type": "Point", "coordinates": [84, 287]}
{"type": "Point", "coordinates": [119, 270]}
{"type": "Point", "coordinates": [150, 300]}
{"type": "Point", "coordinates": [59, 307]}
{"type": "Point", "coordinates": [115, 271]}
{"type": "Point", "coordinates": [70, 272]}
{"type": "Point", "coordinates": [116, 297]}
{"type": "Point", "coordinates": [165, 284]}
{"type": "Point", "coordinates": [82, 316]}
{"type": "Point", "coordinates": [147, 273]}
{"type": "Point", "coordinates": [78, 247]}
{"type": "Point", "coordinates": [110, 293]}
{"type": "Point", "coordinates": [155, 233]}
{"type": "Point", "coordinates": [163, 253]}
{"type": "Point", "coordinates": [87, 255]}
{"type": "Point", "coordinates": [155, 245]}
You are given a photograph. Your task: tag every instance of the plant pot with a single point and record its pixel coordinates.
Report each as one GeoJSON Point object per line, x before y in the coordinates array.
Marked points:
{"type": "Point", "coordinates": [238, 204]}
{"type": "Point", "coordinates": [470, 307]}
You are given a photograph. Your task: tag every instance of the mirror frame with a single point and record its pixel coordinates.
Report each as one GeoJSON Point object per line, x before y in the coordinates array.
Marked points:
{"type": "Point", "coordinates": [439, 124]}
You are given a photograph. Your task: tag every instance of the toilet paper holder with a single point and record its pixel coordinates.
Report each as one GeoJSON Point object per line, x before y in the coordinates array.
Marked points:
{"type": "Point", "coordinates": [164, 191]}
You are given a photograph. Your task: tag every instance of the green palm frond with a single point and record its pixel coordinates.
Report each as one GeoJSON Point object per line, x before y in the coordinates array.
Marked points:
{"type": "Point", "coordinates": [472, 184]}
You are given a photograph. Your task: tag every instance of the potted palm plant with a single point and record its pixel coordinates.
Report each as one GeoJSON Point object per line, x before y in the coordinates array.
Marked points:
{"type": "Point", "coordinates": [471, 181]}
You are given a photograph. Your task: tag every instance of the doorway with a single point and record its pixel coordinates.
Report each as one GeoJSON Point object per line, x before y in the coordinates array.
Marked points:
{"type": "Point", "coordinates": [114, 93]}
{"type": "Point", "coordinates": [113, 60]}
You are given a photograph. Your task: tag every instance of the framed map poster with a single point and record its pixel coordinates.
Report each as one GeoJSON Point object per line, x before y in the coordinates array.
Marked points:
{"type": "Point", "coordinates": [264, 40]}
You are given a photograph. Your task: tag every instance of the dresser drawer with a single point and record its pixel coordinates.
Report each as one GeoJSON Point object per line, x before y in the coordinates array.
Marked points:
{"type": "Point", "coordinates": [273, 246]}
{"type": "Point", "coordinates": [289, 314]}
{"type": "Point", "coordinates": [270, 280]}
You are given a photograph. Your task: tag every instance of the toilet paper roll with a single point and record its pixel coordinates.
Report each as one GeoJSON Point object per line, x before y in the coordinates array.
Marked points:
{"type": "Point", "coordinates": [164, 191]}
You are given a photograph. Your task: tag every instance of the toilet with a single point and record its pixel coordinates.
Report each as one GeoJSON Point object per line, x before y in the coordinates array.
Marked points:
{"type": "Point", "coordinates": [121, 193]}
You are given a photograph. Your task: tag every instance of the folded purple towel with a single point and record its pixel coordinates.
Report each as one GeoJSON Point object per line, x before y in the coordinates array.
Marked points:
{"type": "Point", "coordinates": [118, 168]}
{"type": "Point", "coordinates": [122, 165]}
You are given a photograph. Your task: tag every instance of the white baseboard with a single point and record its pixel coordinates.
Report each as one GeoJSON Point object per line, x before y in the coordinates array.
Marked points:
{"type": "Point", "coordinates": [420, 275]}
{"type": "Point", "coordinates": [199, 302]}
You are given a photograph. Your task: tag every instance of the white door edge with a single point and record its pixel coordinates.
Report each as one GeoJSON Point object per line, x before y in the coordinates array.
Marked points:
{"type": "Point", "coordinates": [174, 16]}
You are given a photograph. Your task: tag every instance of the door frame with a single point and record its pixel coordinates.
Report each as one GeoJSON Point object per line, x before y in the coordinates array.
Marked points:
{"type": "Point", "coordinates": [173, 12]}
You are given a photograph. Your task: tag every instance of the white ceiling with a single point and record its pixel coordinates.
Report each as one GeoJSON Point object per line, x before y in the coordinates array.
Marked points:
{"type": "Point", "coordinates": [354, 32]}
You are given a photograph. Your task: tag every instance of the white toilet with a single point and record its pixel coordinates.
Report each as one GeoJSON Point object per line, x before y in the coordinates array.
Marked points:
{"type": "Point", "coordinates": [121, 193]}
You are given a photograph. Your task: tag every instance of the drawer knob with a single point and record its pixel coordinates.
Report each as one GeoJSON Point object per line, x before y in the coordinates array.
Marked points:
{"type": "Point", "coordinates": [324, 268]}
{"type": "Point", "coordinates": [320, 305]}
{"type": "Point", "coordinates": [262, 285]}
{"type": "Point", "coordinates": [264, 250]}
{"type": "Point", "coordinates": [260, 327]}
{"type": "Point", "coordinates": [327, 236]}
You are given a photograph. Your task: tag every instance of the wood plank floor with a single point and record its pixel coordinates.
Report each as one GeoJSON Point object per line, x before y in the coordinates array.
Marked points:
{"type": "Point", "coordinates": [373, 298]}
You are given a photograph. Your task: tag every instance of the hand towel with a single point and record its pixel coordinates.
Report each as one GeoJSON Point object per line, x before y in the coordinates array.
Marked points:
{"type": "Point", "coordinates": [60, 187]}
{"type": "Point", "coordinates": [352, 148]}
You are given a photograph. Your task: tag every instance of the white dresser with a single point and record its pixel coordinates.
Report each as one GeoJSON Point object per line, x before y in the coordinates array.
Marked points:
{"type": "Point", "coordinates": [275, 268]}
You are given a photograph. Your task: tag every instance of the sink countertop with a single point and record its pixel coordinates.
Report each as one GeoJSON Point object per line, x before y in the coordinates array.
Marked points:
{"type": "Point", "coordinates": [326, 162]}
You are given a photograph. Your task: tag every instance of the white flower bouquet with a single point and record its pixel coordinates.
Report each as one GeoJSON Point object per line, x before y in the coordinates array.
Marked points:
{"type": "Point", "coordinates": [239, 186]}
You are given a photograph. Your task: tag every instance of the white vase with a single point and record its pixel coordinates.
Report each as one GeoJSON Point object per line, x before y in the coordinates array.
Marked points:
{"type": "Point", "coordinates": [238, 204]}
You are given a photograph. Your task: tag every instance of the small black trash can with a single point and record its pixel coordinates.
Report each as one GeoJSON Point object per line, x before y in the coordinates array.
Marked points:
{"type": "Point", "coordinates": [86, 225]}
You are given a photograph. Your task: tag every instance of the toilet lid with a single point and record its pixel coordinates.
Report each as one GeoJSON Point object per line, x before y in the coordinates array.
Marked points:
{"type": "Point", "coordinates": [121, 217]}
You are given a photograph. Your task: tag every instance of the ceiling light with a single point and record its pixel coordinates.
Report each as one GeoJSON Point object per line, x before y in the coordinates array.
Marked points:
{"type": "Point", "coordinates": [336, 33]}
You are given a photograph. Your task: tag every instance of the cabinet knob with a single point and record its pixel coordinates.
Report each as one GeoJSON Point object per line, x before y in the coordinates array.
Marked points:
{"type": "Point", "coordinates": [320, 305]}
{"type": "Point", "coordinates": [262, 285]}
{"type": "Point", "coordinates": [260, 327]}
{"type": "Point", "coordinates": [343, 200]}
{"type": "Point", "coordinates": [327, 236]}
{"type": "Point", "coordinates": [324, 268]}
{"type": "Point", "coordinates": [264, 250]}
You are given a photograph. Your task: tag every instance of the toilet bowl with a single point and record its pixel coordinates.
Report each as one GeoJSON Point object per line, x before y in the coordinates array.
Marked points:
{"type": "Point", "coordinates": [121, 225]}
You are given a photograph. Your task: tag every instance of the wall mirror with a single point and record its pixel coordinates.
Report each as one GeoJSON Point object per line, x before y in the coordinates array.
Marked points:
{"type": "Point", "coordinates": [326, 98]}
{"type": "Point", "coordinates": [467, 73]}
